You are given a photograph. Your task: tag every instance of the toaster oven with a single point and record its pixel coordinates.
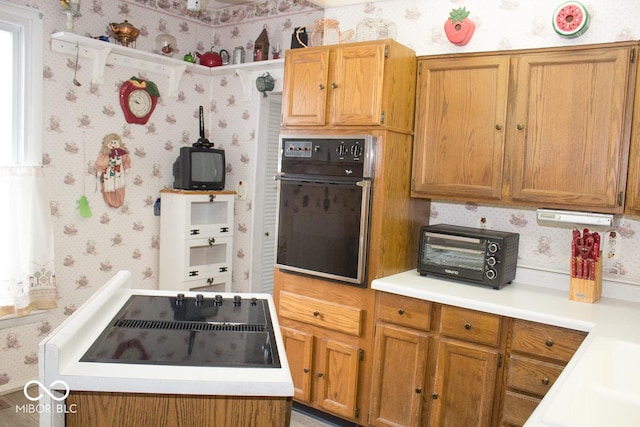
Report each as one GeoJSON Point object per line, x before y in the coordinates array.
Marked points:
{"type": "Point", "coordinates": [480, 256]}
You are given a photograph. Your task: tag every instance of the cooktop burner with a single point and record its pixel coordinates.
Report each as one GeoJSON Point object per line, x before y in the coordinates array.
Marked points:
{"type": "Point", "coordinates": [189, 331]}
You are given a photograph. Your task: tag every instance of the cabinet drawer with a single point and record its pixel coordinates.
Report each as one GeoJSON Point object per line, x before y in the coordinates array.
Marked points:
{"type": "Point", "coordinates": [532, 376]}
{"type": "Point", "coordinates": [337, 317]}
{"type": "Point", "coordinates": [405, 311]}
{"type": "Point", "coordinates": [517, 408]}
{"type": "Point", "coordinates": [541, 340]}
{"type": "Point", "coordinates": [470, 325]}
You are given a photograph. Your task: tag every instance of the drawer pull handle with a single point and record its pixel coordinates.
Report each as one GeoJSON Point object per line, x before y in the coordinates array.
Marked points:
{"type": "Point", "coordinates": [545, 381]}
{"type": "Point", "coordinates": [305, 370]}
{"type": "Point", "coordinates": [549, 342]}
{"type": "Point", "coordinates": [434, 396]}
{"type": "Point", "coordinates": [467, 326]}
{"type": "Point", "coordinates": [321, 86]}
{"type": "Point", "coordinates": [334, 85]}
{"type": "Point", "coordinates": [320, 375]}
{"type": "Point", "coordinates": [400, 311]}
{"type": "Point", "coordinates": [498, 127]}
{"type": "Point", "coordinates": [418, 390]}
{"type": "Point", "coordinates": [316, 313]}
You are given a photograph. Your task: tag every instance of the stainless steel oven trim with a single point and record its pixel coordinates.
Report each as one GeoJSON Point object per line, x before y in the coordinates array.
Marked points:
{"type": "Point", "coordinates": [366, 186]}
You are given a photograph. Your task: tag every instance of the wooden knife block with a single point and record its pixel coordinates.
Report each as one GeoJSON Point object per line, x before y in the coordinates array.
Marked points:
{"type": "Point", "coordinates": [585, 290]}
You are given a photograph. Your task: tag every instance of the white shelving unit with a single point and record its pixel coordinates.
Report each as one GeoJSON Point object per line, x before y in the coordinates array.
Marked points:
{"type": "Point", "coordinates": [196, 240]}
{"type": "Point", "coordinates": [105, 53]}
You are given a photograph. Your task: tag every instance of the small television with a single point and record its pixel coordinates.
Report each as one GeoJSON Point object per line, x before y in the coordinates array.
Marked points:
{"type": "Point", "coordinates": [199, 168]}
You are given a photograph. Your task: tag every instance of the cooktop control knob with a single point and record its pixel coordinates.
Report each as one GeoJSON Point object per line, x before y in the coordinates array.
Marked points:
{"type": "Point", "coordinates": [199, 299]}
{"type": "Point", "coordinates": [217, 300]}
{"type": "Point", "coordinates": [180, 299]}
{"type": "Point", "coordinates": [254, 301]}
{"type": "Point", "coordinates": [237, 300]}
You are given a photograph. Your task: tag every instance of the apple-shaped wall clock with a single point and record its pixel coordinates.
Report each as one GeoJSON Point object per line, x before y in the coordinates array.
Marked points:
{"type": "Point", "coordinates": [138, 99]}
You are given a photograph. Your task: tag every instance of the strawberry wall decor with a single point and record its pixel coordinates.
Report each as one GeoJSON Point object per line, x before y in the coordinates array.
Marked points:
{"type": "Point", "coordinates": [571, 20]}
{"type": "Point", "coordinates": [459, 28]}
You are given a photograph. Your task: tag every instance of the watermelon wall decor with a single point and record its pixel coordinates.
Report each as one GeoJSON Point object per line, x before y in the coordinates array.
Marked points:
{"type": "Point", "coordinates": [571, 20]}
{"type": "Point", "coordinates": [459, 28]}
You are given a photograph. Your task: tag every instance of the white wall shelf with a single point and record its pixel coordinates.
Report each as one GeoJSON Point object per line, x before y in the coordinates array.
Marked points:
{"type": "Point", "coordinates": [105, 53]}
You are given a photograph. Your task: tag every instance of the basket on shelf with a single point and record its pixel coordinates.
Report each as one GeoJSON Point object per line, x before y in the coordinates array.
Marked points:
{"type": "Point", "coordinates": [325, 32]}
{"type": "Point", "coordinates": [375, 29]}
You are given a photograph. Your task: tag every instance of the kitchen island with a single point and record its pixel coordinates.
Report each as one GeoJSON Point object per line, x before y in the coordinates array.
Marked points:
{"type": "Point", "coordinates": [159, 393]}
{"type": "Point", "coordinates": [599, 385]}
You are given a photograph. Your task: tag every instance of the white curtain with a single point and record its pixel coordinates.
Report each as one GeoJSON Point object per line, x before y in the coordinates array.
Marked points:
{"type": "Point", "coordinates": [27, 277]}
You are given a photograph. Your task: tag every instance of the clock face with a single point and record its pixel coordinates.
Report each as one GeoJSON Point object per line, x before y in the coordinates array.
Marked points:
{"type": "Point", "coordinates": [139, 103]}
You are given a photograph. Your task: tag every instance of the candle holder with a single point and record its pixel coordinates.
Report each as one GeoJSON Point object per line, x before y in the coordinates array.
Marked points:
{"type": "Point", "coordinates": [70, 8]}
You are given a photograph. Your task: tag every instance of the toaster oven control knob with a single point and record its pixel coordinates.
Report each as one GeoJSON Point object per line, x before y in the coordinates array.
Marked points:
{"type": "Point", "coordinates": [199, 299]}
{"type": "Point", "coordinates": [237, 300]}
{"type": "Point", "coordinates": [180, 299]}
{"type": "Point", "coordinates": [491, 261]}
{"type": "Point", "coordinates": [493, 247]}
{"type": "Point", "coordinates": [491, 274]}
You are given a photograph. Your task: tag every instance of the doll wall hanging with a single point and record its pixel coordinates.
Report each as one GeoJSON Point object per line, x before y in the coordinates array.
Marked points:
{"type": "Point", "coordinates": [111, 165]}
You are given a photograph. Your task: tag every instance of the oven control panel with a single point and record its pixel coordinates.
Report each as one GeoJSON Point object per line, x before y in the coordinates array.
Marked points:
{"type": "Point", "coordinates": [298, 148]}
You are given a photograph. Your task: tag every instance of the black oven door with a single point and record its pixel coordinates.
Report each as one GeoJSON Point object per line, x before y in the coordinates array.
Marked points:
{"type": "Point", "coordinates": [323, 227]}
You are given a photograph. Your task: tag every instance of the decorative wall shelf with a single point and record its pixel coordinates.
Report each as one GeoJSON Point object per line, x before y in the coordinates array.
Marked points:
{"type": "Point", "coordinates": [105, 53]}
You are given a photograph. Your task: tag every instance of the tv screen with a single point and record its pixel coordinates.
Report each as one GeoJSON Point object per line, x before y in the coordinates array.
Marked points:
{"type": "Point", "coordinates": [198, 168]}
{"type": "Point", "coordinates": [206, 166]}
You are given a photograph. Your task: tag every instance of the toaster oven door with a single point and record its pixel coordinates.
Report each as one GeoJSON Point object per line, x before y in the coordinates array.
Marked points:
{"type": "Point", "coordinates": [452, 256]}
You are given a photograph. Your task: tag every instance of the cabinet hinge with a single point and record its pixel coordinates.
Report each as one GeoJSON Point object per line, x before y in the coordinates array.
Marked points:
{"type": "Point", "coordinates": [212, 198]}
{"type": "Point", "coordinates": [357, 413]}
{"type": "Point", "coordinates": [500, 360]}
{"type": "Point", "coordinates": [620, 198]}
{"type": "Point", "coordinates": [413, 184]}
{"type": "Point", "coordinates": [361, 355]}
{"type": "Point", "coordinates": [382, 116]}
{"type": "Point", "coordinates": [633, 55]}
{"type": "Point", "coordinates": [386, 51]}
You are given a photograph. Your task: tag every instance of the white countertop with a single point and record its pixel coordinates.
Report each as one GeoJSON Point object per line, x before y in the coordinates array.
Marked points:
{"type": "Point", "coordinates": [60, 352]}
{"type": "Point", "coordinates": [549, 303]}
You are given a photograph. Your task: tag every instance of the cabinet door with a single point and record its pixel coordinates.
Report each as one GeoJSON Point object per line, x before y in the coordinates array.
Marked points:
{"type": "Point", "coordinates": [632, 203]}
{"type": "Point", "coordinates": [306, 73]}
{"type": "Point", "coordinates": [207, 258]}
{"type": "Point", "coordinates": [460, 119]}
{"type": "Point", "coordinates": [570, 128]}
{"type": "Point", "coordinates": [357, 85]}
{"type": "Point", "coordinates": [336, 379]}
{"type": "Point", "coordinates": [299, 348]}
{"type": "Point", "coordinates": [465, 382]}
{"type": "Point", "coordinates": [209, 215]}
{"type": "Point", "coordinates": [399, 375]}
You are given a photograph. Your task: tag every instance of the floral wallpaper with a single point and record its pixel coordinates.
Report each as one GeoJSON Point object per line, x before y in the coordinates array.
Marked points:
{"type": "Point", "coordinates": [90, 250]}
{"type": "Point", "coordinates": [77, 118]}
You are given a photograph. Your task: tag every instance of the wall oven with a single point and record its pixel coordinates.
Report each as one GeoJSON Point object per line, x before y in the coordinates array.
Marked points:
{"type": "Point", "coordinates": [324, 197]}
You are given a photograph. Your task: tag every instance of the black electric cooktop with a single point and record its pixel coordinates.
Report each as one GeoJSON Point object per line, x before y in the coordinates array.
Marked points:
{"type": "Point", "coordinates": [189, 331]}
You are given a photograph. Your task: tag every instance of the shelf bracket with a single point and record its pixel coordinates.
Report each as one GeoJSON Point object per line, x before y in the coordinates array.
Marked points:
{"type": "Point", "coordinates": [175, 75]}
{"type": "Point", "coordinates": [99, 63]}
{"type": "Point", "coordinates": [246, 77]}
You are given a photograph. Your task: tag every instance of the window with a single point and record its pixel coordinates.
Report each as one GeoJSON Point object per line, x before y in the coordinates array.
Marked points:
{"type": "Point", "coordinates": [27, 279]}
{"type": "Point", "coordinates": [21, 37]}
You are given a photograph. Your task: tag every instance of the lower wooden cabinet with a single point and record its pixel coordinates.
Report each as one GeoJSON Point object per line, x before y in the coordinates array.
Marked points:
{"type": "Point", "coordinates": [538, 355]}
{"type": "Point", "coordinates": [399, 376]}
{"type": "Point", "coordinates": [464, 391]}
{"type": "Point", "coordinates": [438, 365]}
{"type": "Point", "coordinates": [327, 332]}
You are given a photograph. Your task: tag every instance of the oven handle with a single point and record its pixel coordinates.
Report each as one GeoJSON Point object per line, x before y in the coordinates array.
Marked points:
{"type": "Point", "coordinates": [360, 183]}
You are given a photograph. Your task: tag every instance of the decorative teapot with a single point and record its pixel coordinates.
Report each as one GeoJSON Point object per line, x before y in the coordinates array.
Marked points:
{"type": "Point", "coordinates": [212, 58]}
{"type": "Point", "coordinates": [124, 32]}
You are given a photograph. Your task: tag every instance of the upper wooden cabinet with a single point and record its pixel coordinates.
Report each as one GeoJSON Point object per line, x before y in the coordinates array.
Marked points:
{"type": "Point", "coordinates": [543, 128]}
{"type": "Point", "coordinates": [356, 84]}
